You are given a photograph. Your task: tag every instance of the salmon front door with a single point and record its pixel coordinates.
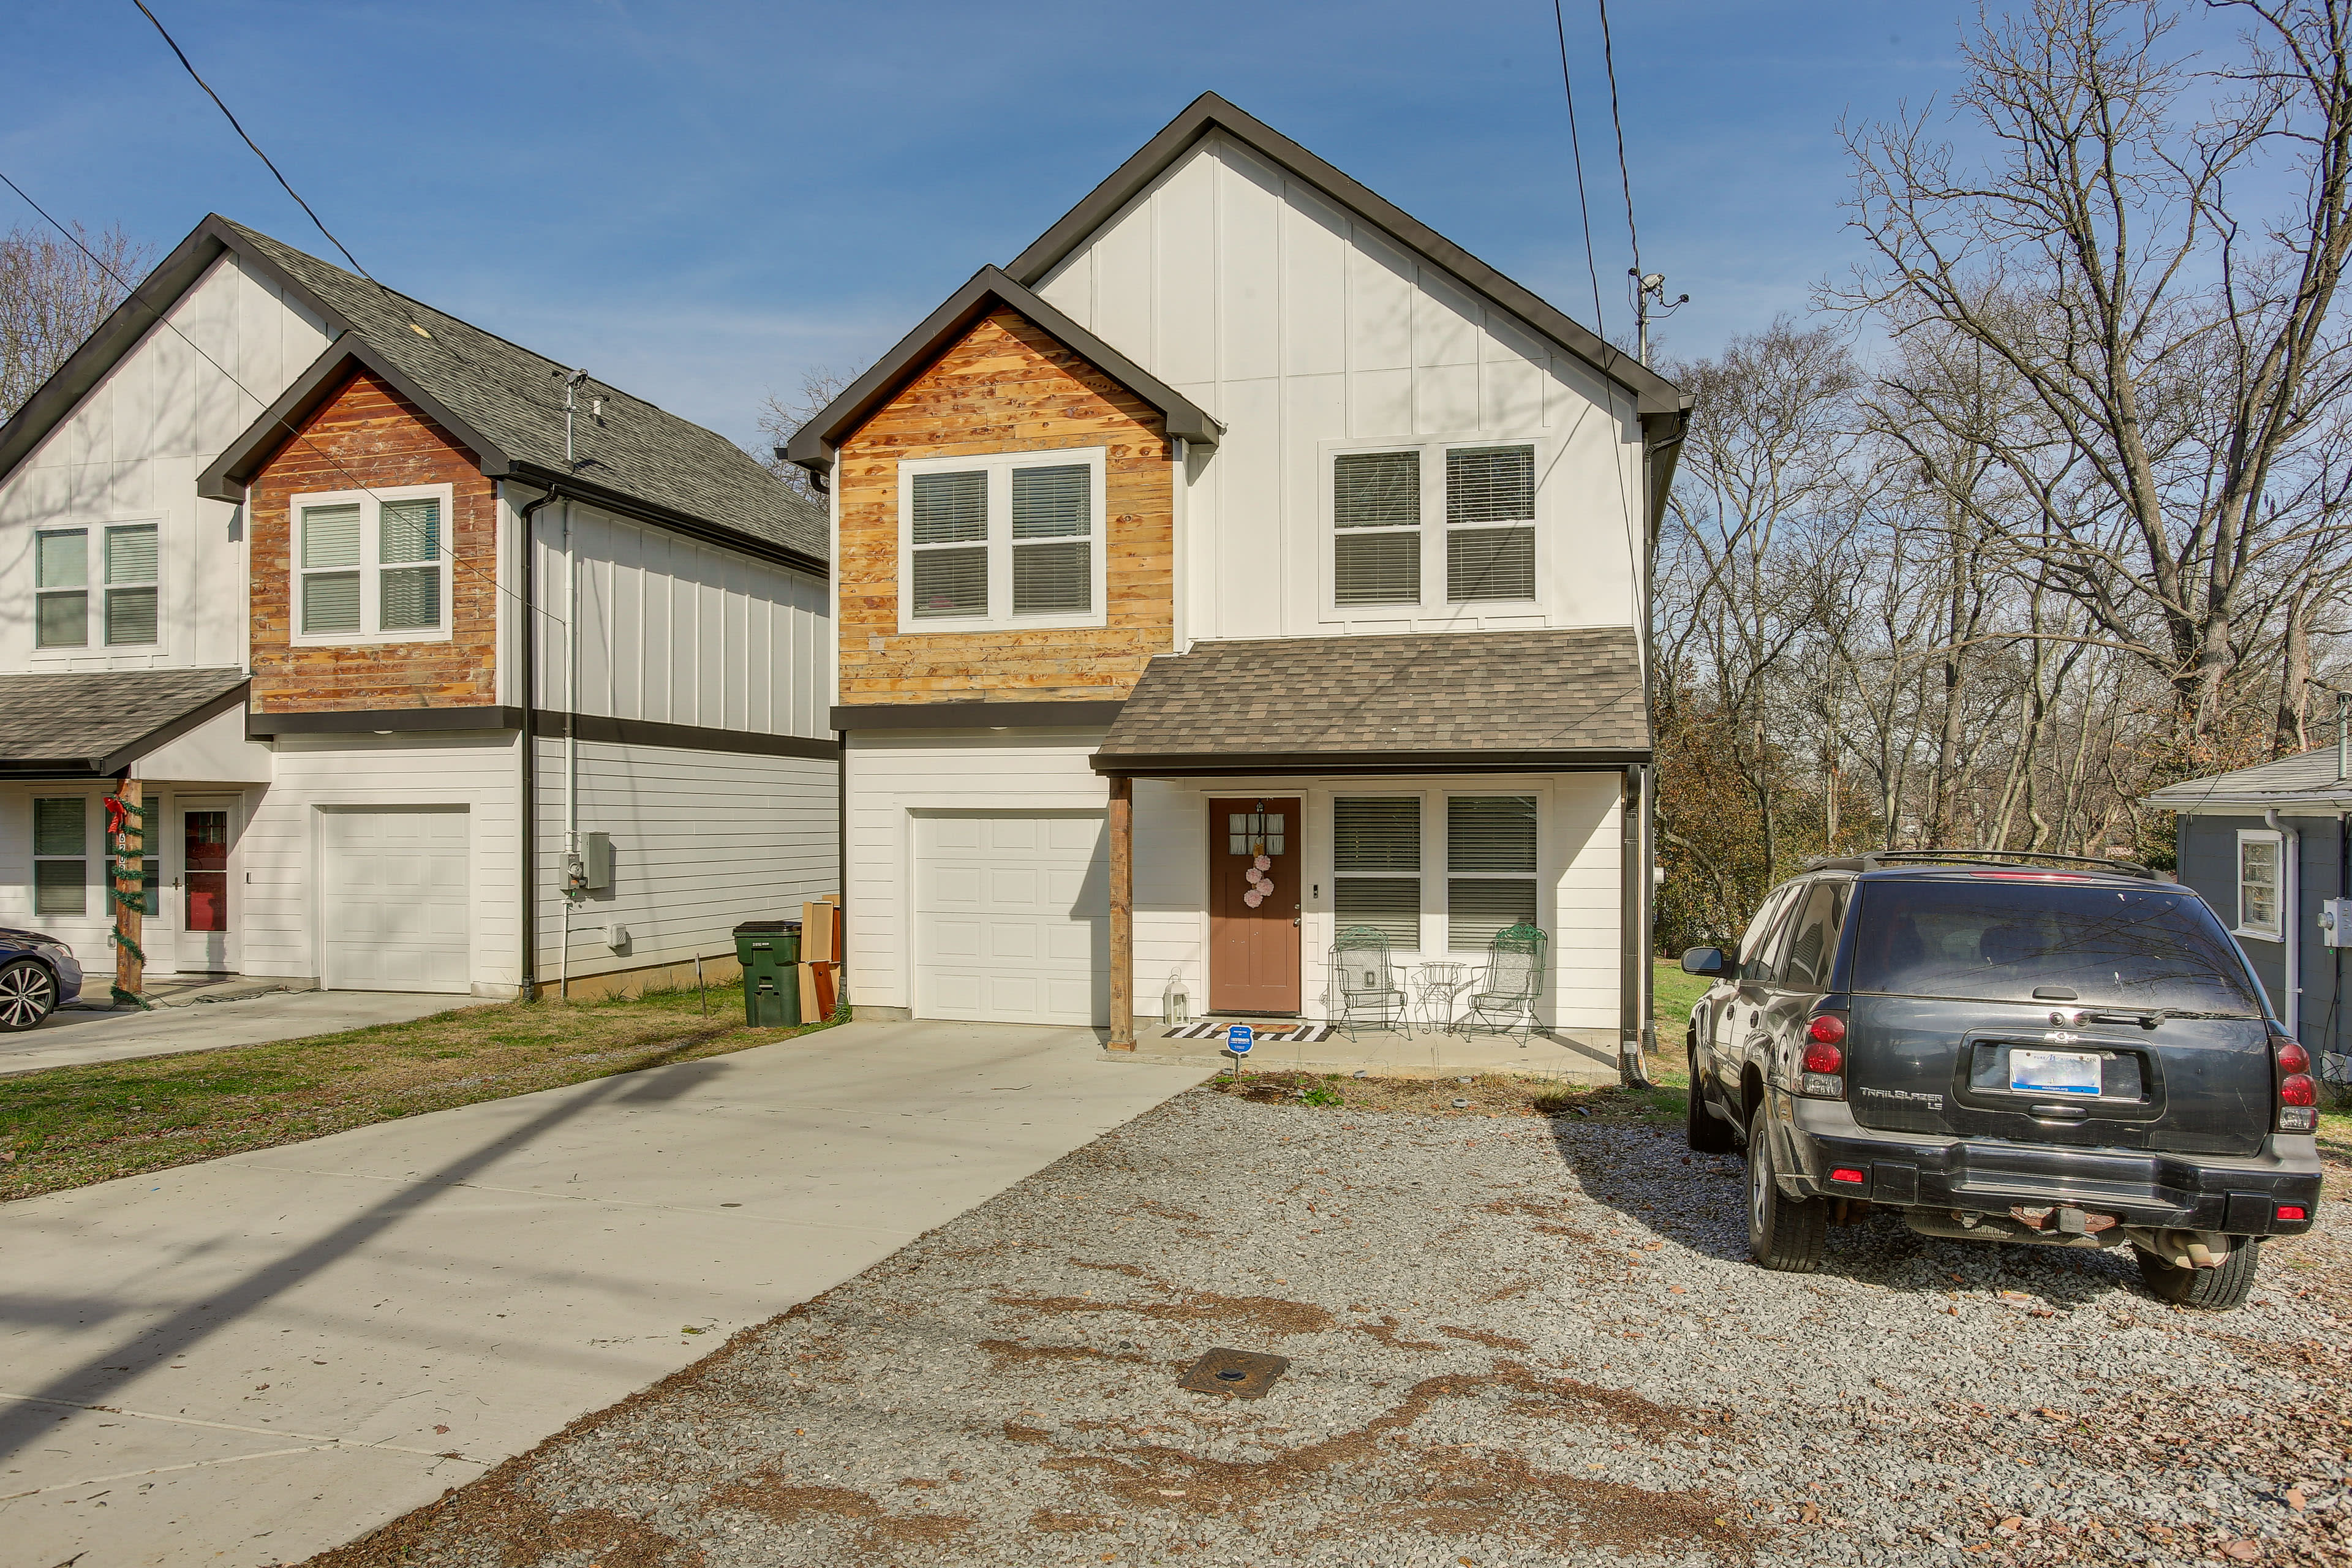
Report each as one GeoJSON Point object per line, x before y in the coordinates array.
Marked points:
{"type": "Point", "coordinates": [1253, 906]}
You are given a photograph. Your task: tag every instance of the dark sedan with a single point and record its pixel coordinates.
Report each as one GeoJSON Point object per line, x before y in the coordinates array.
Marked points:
{"type": "Point", "coordinates": [37, 976]}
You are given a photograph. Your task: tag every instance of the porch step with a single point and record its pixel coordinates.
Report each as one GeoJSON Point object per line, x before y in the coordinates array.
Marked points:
{"type": "Point", "coordinates": [173, 994]}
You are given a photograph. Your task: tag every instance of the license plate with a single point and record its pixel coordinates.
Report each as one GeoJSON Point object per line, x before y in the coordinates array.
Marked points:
{"type": "Point", "coordinates": [2054, 1072]}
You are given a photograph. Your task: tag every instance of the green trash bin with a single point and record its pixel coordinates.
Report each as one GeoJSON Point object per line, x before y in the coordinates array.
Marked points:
{"type": "Point", "coordinates": [770, 951]}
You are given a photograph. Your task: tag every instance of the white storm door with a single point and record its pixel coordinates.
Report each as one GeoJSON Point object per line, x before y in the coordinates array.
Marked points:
{"type": "Point", "coordinates": [1013, 918]}
{"type": "Point", "coordinates": [394, 900]}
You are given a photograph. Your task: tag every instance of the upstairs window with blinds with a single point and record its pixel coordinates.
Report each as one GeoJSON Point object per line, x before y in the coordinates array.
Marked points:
{"type": "Point", "coordinates": [371, 566]}
{"type": "Point", "coordinates": [1003, 540]}
{"type": "Point", "coordinates": [1376, 866]}
{"type": "Point", "coordinates": [1376, 526]}
{"type": "Point", "coordinates": [1490, 523]}
{"type": "Point", "coordinates": [96, 586]}
{"type": "Point", "coordinates": [1490, 867]}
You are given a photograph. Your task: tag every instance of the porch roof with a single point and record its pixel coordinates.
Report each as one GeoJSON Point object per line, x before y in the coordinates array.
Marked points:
{"type": "Point", "coordinates": [92, 725]}
{"type": "Point", "coordinates": [1519, 701]}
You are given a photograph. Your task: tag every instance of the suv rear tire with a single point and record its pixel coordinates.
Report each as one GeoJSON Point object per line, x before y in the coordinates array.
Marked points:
{"type": "Point", "coordinates": [1703, 1130]}
{"type": "Point", "coordinates": [1785, 1233]}
{"type": "Point", "coordinates": [2206, 1290]}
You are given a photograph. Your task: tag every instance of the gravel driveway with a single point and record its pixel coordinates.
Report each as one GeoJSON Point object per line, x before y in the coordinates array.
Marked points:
{"type": "Point", "coordinates": [1513, 1339]}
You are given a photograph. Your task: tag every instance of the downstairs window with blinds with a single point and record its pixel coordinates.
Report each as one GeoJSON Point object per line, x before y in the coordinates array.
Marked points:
{"type": "Point", "coordinates": [1376, 866]}
{"type": "Point", "coordinates": [371, 566]}
{"type": "Point", "coordinates": [1003, 540]}
{"type": "Point", "coordinates": [1490, 867]}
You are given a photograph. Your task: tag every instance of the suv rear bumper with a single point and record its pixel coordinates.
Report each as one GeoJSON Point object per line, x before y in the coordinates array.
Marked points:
{"type": "Point", "coordinates": [2238, 1194]}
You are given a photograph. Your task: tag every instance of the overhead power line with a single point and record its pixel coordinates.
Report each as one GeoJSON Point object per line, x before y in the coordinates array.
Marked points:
{"type": "Point", "coordinates": [1625, 176]}
{"type": "Point", "coordinates": [130, 296]}
{"type": "Point", "coordinates": [1576, 152]}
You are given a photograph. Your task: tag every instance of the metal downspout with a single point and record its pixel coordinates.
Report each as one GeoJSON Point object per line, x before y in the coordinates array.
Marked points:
{"type": "Point", "coordinates": [1630, 808]}
{"type": "Point", "coordinates": [841, 863]}
{"type": "Point", "coordinates": [527, 989]}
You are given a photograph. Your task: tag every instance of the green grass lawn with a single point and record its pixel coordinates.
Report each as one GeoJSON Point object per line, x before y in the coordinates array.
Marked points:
{"type": "Point", "coordinates": [1672, 994]}
{"type": "Point", "coordinates": [67, 1126]}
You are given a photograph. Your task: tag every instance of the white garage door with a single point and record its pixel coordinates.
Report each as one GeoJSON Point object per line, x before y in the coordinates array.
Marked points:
{"type": "Point", "coordinates": [394, 902]}
{"type": "Point", "coordinates": [1012, 918]}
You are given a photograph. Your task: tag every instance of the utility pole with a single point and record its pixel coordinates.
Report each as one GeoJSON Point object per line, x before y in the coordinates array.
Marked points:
{"type": "Point", "coordinates": [1649, 286]}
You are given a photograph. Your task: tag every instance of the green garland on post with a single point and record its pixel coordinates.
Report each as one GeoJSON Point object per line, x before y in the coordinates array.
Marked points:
{"type": "Point", "coordinates": [127, 863]}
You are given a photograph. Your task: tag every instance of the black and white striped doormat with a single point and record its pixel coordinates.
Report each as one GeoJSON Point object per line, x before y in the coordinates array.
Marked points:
{"type": "Point", "coordinates": [1298, 1034]}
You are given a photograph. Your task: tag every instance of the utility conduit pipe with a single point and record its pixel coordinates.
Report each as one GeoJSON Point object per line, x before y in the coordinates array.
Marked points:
{"type": "Point", "coordinates": [2290, 916]}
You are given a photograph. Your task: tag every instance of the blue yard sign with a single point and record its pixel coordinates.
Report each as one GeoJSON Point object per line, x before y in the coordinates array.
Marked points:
{"type": "Point", "coordinates": [1240, 1038]}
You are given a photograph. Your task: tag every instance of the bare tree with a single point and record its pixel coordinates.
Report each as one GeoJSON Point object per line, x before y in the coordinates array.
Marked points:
{"type": "Point", "coordinates": [2182, 353]}
{"type": "Point", "coordinates": [781, 418]}
{"type": "Point", "coordinates": [53, 295]}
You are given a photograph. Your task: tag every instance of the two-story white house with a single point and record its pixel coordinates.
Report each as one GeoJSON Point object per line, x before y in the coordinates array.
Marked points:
{"type": "Point", "coordinates": [1241, 563]}
{"type": "Point", "coordinates": [439, 666]}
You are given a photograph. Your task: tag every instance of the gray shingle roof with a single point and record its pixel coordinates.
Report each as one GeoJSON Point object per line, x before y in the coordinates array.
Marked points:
{"type": "Point", "coordinates": [2305, 776]}
{"type": "Point", "coordinates": [515, 398]}
{"type": "Point", "coordinates": [1491, 700]}
{"type": "Point", "coordinates": [91, 724]}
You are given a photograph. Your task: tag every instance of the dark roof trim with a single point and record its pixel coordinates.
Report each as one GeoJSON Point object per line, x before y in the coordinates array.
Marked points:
{"type": "Point", "coordinates": [130, 322]}
{"type": "Point", "coordinates": [1652, 393]}
{"type": "Point", "coordinates": [230, 472]}
{"type": "Point", "coordinates": [164, 734]}
{"type": "Point", "coordinates": [975, 715]}
{"type": "Point", "coordinates": [990, 288]}
{"type": "Point", "coordinates": [106, 766]}
{"type": "Point", "coordinates": [1253, 764]}
{"type": "Point", "coordinates": [376, 721]}
{"type": "Point", "coordinates": [596, 495]}
{"type": "Point", "coordinates": [548, 724]}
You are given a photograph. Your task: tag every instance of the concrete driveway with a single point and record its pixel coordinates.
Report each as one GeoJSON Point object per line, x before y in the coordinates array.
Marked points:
{"type": "Point", "coordinates": [244, 1362]}
{"type": "Point", "coordinates": [72, 1037]}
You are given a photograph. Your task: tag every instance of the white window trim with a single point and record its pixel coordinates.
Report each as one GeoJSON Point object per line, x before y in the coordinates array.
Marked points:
{"type": "Point", "coordinates": [2238, 881]}
{"type": "Point", "coordinates": [1433, 602]}
{"type": "Point", "coordinates": [93, 531]}
{"type": "Point", "coordinates": [999, 466]}
{"type": "Point", "coordinates": [370, 569]}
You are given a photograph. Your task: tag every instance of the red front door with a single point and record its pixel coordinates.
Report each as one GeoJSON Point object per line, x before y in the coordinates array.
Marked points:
{"type": "Point", "coordinates": [1253, 906]}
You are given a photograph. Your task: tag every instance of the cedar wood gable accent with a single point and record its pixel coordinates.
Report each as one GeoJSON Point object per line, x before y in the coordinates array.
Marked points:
{"type": "Point", "coordinates": [1006, 384]}
{"type": "Point", "coordinates": [364, 432]}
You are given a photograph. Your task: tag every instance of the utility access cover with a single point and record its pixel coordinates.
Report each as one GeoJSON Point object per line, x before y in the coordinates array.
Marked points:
{"type": "Point", "coordinates": [1244, 1374]}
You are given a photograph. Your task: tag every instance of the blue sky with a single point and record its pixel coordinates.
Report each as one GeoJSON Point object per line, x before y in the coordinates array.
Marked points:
{"type": "Point", "coordinates": [695, 201]}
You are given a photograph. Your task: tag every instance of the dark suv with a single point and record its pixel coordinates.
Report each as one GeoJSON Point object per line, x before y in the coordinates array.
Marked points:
{"type": "Point", "coordinates": [2002, 1051]}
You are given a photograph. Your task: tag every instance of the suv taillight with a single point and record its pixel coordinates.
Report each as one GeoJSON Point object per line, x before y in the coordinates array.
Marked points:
{"type": "Point", "coordinates": [2298, 1097]}
{"type": "Point", "coordinates": [1824, 1074]}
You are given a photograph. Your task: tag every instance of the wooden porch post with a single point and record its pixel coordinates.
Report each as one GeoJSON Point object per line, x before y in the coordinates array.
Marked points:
{"type": "Point", "coordinates": [1122, 912]}
{"type": "Point", "coordinates": [126, 881]}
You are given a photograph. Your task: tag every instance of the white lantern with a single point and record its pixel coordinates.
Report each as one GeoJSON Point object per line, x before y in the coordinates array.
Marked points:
{"type": "Point", "coordinates": [1176, 1004]}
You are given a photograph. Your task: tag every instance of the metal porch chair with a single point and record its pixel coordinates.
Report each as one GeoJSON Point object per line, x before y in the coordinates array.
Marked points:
{"type": "Point", "coordinates": [1503, 996]}
{"type": "Point", "coordinates": [1366, 980]}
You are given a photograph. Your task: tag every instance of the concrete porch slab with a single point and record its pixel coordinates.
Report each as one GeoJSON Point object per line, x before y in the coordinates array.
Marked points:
{"type": "Point", "coordinates": [1402, 1052]}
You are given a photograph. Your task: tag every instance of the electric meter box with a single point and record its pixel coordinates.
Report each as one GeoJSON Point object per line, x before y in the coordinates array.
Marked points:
{"type": "Point", "coordinates": [596, 857]}
{"type": "Point", "coordinates": [2335, 916]}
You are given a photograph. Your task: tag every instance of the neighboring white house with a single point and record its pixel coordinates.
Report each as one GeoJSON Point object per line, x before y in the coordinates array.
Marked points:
{"type": "Point", "coordinates": [311, 560]}
{"type": "Point", "coordinates": [1243, 508]}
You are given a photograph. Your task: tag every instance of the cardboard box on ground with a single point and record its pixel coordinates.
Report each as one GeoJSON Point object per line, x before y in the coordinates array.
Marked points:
{"type": "Point", "coordinates": [820, 958]}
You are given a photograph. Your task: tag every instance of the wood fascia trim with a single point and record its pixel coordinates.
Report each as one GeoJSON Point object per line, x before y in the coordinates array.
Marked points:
{"type": "Point", "coordinates": [814, 447]}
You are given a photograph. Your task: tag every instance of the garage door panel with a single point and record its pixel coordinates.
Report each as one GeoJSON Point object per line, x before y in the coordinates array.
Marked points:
{"type": "Point", "coordinates": [395, 899]}
{"type": "Point", "coordinates": [1012, 918]}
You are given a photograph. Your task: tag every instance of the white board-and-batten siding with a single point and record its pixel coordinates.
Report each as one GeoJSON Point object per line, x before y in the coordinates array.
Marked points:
{"type": "Point", "coordinates": [672, 630]}
{"type": "Point", "coordinates": [130, 451]}
{"type": "Point", "coordinates": [896, 777]}
{"type": "Point", "coordinates": [701, 841]}
{"type": "Point", "coordinates": [1308, 332]}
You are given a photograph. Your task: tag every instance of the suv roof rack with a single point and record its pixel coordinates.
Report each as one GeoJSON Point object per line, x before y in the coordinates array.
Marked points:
{"type": "Point", "coordinates": [1881, 859]}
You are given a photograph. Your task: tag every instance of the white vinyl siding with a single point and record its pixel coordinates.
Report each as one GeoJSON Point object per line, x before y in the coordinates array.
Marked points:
{"type": "Point", "coordinates": [371, 566]}
{"type": "Point", "coordinates": [1000, 541]}
{"type": "Point", "coordinates": [1490, 866]}
{"type": "Point", "coordinates": [129, 454]}
{"type": "Point", "coordinates": [1376, 866]}
{"type": "Point", "coordinates": [1306, 330]}
{"type": "Point", "coordinates": [2259, 884]}
{"type": "Point", "coordinates": [674, 631]}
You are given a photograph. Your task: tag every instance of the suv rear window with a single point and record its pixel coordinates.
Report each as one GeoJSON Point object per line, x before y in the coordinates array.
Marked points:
{"type": "Point", "coordinates": [2154, 947]}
